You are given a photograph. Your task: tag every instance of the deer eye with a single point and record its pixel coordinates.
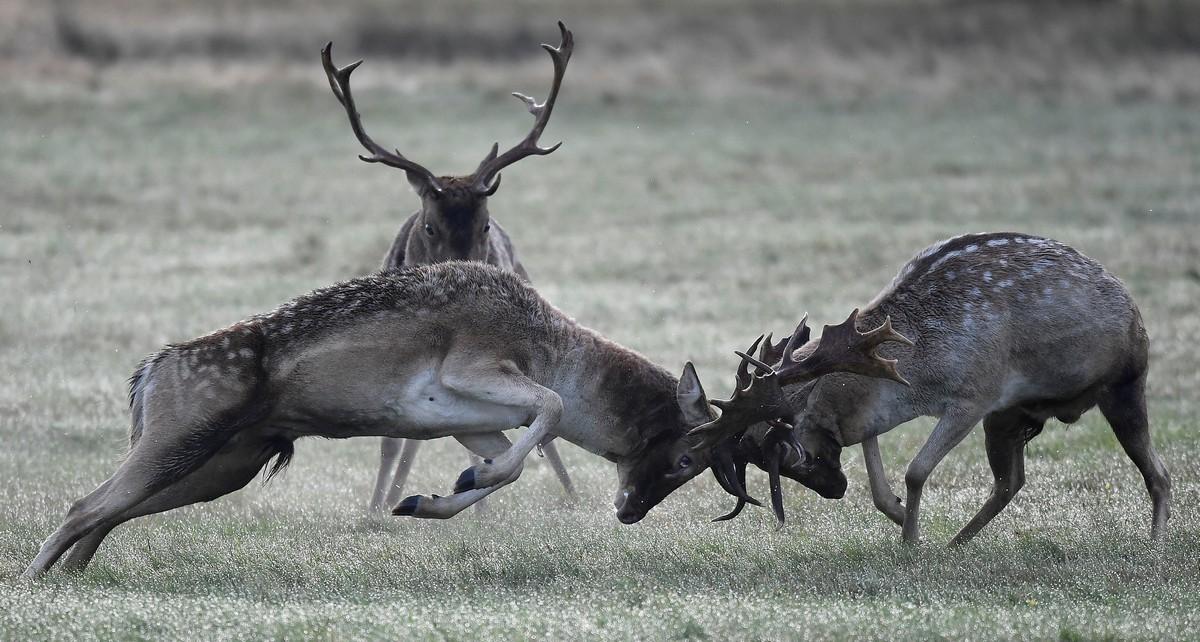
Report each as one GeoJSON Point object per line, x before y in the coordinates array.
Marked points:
{"type": "Point", "coordinates": [429, 229]}
{"type": "Point", "coordinates": [685, 461]}
{"type": "Point", "coordinates": [487, 227]}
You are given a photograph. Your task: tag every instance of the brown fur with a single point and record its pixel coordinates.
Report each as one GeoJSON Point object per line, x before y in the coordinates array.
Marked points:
{"type": "Point", "coordinates": [457, 349]}
{"type": "Point", "coordinates": [1009, 329]}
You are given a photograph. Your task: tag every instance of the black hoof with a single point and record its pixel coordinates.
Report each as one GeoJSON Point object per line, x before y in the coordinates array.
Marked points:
{"type": "Point", "coordinates": [407, 507]}
{"type": "Point", "coordinates": [466, 481]}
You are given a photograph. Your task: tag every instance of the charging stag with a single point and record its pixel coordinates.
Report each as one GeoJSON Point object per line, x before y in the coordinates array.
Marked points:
{"type": "Point", "coordinates": [452, 224]}
{"type": "Point", "coordinates": [458, 349]}
{"type": "Point", "coordinates": [1008, 329]}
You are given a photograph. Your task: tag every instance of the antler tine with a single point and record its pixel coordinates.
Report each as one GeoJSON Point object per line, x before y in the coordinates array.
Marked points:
{"type": "Point", "coordinates": [770, 352]}
{"type": "Point", "coordinates": [339, 82]}
{"type": "Point", "coordinates": [843, 348]}
{"type": "Point", "coordinates": [740, 479]}
{"type": "Point", "coordinates": [764, 353]}
{"type": "Point", "coordinates": [743, 371]}
{"type": "Point", "coordinates": [886, 333]}
{"type": "Point", "coordinates": [732, 477]}
{"type": "Point", "coordinates": [798, 338]}
{"type": "Point", "coordinates": [492, 164]}
{"type": "Point", "coordinates": [779, 438]}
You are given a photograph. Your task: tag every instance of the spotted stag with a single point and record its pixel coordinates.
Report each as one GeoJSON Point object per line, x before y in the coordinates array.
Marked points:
{"type": "Point", "coordinates": [1008, 329]}
{"type": "Point", "coordinates": [456, 349]}
{"type": "Point", "coordinates": [452, 224]}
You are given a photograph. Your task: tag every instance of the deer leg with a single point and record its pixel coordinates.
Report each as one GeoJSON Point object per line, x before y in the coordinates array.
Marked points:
{"type": "Point", "coordinates": [885, 500]}
{"type": "Point", "coordinates": [229, 470]}
{"type": "Point", "coordinates": [408, 454]}
{"type": "Point", "coordinates": [152, 464]}
{"type": "Point", "coordinates": [954, 425]}
{"type": "Point", "coordinates": [1124, 406]}
{"type": "Point", "coordinates": [560, 470]}
{"type": "Point", "coordinates": [506, 387]}
{"type": "Point", "coordinates": [389, 452]}
{"type": "Point", "coordinates": [435, 507]}
{"type": "Point", "coordinates": [1004, 436]}
{"type": "Point", "coordinates": [473, 460]}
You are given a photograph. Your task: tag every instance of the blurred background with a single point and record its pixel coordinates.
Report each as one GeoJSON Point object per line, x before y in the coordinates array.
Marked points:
{"type": "Point", "coordinates": [169, 167]}
{"type": "Point", "coordinates": [840, 52]}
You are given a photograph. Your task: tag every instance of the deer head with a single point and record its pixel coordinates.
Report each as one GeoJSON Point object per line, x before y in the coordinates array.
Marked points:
{"type": "Point", "coordinates": [454, 221]}
{"type": "Point", "coordinates": [759, 397]}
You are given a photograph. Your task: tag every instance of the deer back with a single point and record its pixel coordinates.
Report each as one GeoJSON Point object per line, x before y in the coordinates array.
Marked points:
{"type": "Point", "coordinates": [998, 320]}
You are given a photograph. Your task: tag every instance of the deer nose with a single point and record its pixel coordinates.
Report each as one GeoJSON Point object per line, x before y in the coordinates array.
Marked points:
{"type": "Point", "coordinates": [622, 497]}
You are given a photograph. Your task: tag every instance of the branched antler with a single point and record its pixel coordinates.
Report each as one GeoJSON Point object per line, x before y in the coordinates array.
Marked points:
{"type": "Point", "coordinates": [759, 397]}
{"type": "Point", "coordinates": [842, 349]}
{"type": "Point", "coordinates": [493, 163]}
{"type": "Point", "coordinates": [755, 398]}
{"type": "Point", "coordinates": [339, 82]}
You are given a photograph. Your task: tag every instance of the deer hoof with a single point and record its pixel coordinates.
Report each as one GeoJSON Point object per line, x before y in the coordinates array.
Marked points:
{"type": "Point", "coordinates": [466, 481]}
{"type": "Point", "coordinates": [407, 507]}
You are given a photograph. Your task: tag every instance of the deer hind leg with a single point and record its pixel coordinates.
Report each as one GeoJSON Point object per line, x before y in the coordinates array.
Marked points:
{"type": "Point", "coordinates": [408, 455]}
{"type": "Point", "coordinates": [951, 429]}
{"type": "Point", "coordinates": [1004, 436]}
{"type": "Point", "coordinates": [389, 453]}
{"type": "Point", "coordinates": [1124, 406]}
{"type": "Point", "coordinates": [397, 454]}
{"type": "Point", "coordinates": [435, 507]}
{"type": "Point", "coordinates": [229, 470]}
{"type": "Point", "coordinates": [152, 464]}
{"type": "Point", "coordinates": [560, 469]}
{"type": "Point", "coordinates": [881, 492]}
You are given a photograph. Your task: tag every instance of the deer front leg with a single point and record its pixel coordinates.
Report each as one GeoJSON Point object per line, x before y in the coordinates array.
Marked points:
{"type": "Point", "coordinates": [544, 406]}
{"type": "Point", "coordinates": [435, 507]}
{"type": "Point", "coordinates": [885, 500]}
{"type": "Point", "coordinates": [954, 425]}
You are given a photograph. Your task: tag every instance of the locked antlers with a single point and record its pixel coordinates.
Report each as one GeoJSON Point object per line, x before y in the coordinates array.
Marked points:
{"type": "Point", "coordinates": [759, 397]}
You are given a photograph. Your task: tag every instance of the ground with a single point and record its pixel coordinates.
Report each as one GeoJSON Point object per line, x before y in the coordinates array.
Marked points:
{"type": "Point", "coordinates": [143, 206]}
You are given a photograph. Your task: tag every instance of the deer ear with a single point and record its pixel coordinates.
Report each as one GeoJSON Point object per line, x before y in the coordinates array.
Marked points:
{"type": "Point", "coordinates": [689, 394]}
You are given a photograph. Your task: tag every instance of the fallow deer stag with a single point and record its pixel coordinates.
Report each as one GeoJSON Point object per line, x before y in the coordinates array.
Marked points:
{"type": "Point", "coordinates": [1008, 329]}
{"type": "Point", "coordinates": [452, 224]}
{"type": "Point", "coordinates": [457, 349]}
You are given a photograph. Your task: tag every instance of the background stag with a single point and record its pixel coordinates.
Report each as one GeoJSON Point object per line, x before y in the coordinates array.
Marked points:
{"type": "Point", "coordinates": [452, 224]}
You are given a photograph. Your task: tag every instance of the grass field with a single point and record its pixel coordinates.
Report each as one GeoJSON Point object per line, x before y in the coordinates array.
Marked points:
{"type": "Point", "coordinates": [153, 207]}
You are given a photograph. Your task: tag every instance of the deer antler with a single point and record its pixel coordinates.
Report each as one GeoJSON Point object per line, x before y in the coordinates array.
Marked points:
{"type": "Point", "coordinates": [492, 164]}
{"type": "Point", "coordinates": [755, 398]}
{"type": "Point", "coordinates": [759, 397]}
{"type": "Point", "coordinates": [842, 348]}
{"type": "Point", "coordinates": [339, 82]}
{"type": "Point", "coordinates": [773, 352]}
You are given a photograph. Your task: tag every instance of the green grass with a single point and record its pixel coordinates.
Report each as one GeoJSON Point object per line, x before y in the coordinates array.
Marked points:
{"type": "Point", "coordinates": [681, 228]}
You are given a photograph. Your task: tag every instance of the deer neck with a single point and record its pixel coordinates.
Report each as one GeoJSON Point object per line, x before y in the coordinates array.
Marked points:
{"type": "Point", "coordinates": [614, 399]}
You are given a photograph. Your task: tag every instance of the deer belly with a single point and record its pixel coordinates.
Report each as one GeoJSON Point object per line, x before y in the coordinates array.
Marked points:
{"type": "Point", "coordinates": [431, 410]}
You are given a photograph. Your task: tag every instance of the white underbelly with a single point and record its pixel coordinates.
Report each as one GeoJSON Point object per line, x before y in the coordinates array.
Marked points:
{"type": "Point", "coordinates": [425, 409]}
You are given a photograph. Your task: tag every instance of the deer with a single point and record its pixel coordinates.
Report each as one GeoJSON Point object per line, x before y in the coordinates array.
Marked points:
{"type": "Point", "coordinates": [457, 349]}
{"type": "Point", "coordinates": [453, 223]}
{"type": "Point", "coordinates": [1007, 329]}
